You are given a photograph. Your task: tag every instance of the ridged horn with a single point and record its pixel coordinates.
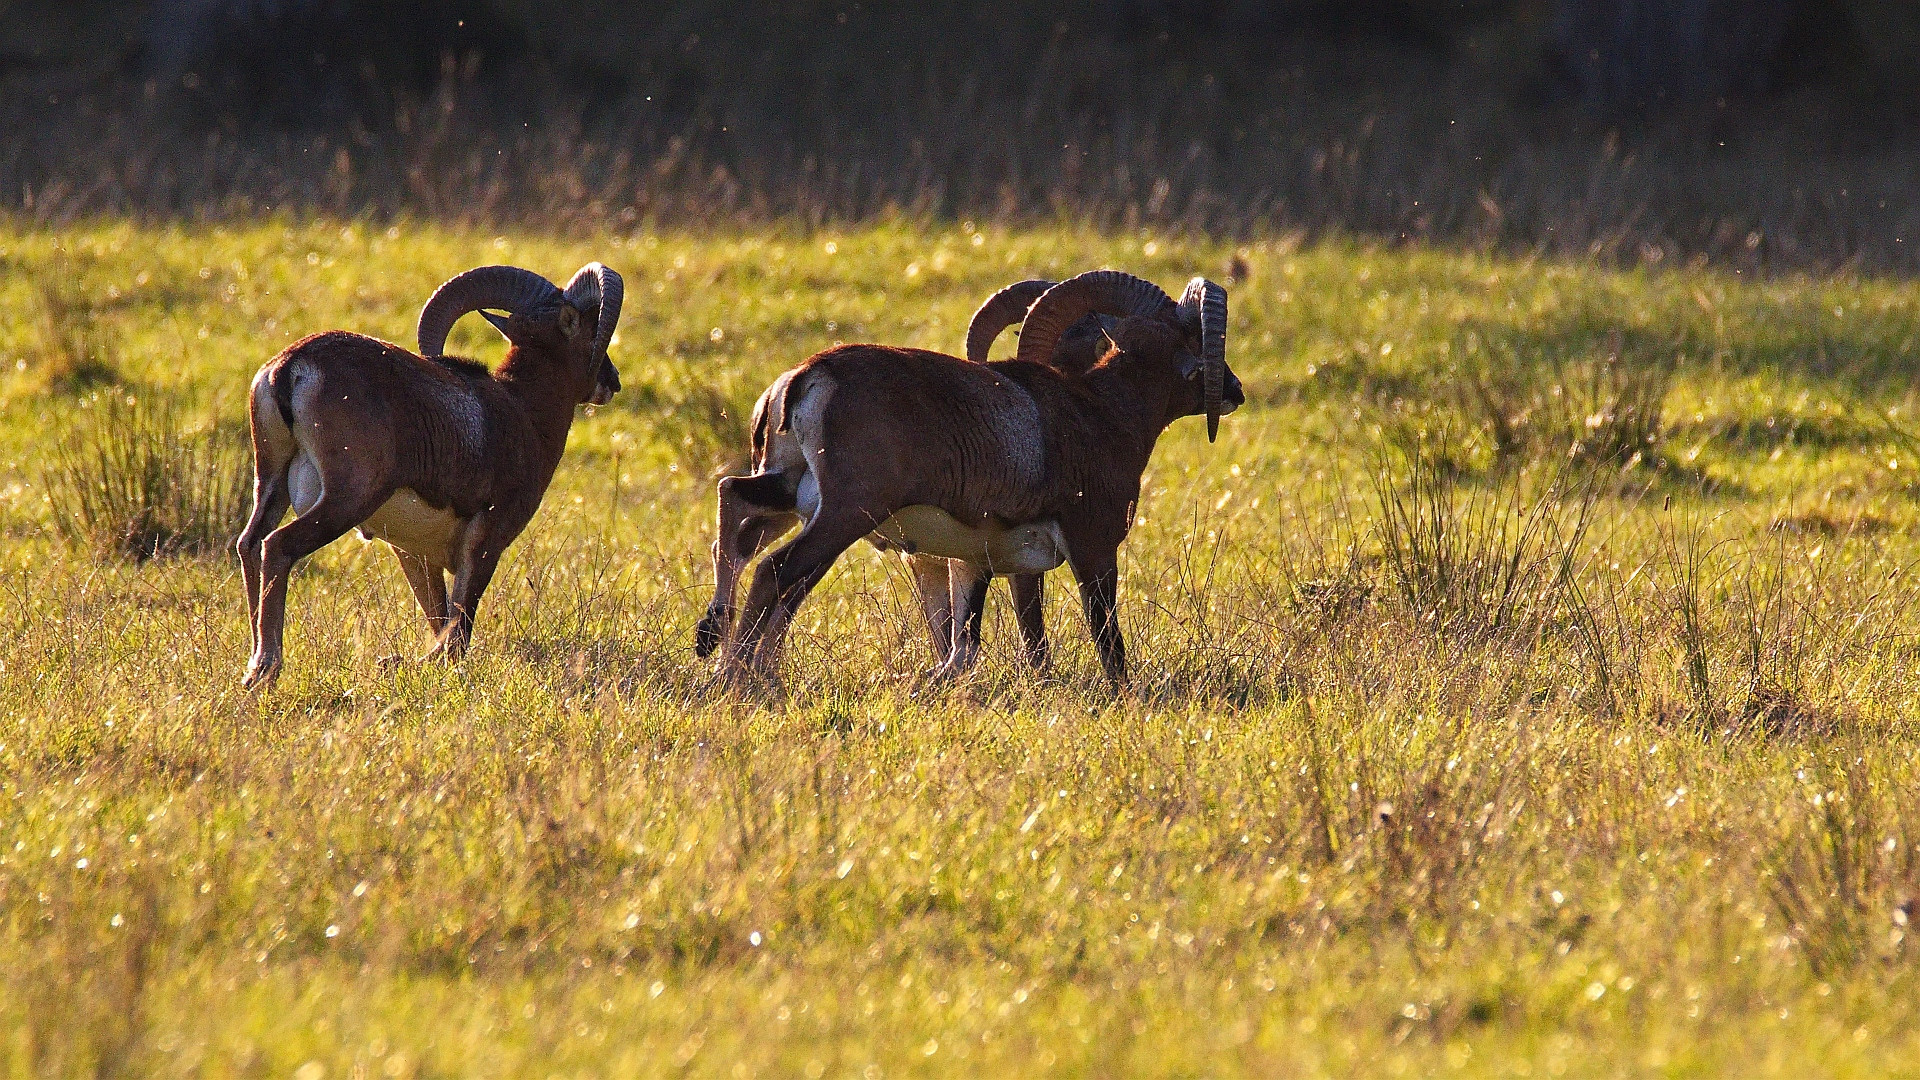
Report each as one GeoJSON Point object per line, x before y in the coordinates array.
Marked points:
{"type": "Point", "coordinates": [1207, 303]}
{"type": "Point", "coordinates": [1002, 309]}
{"type": "Point", "coordinates": [595, 285]}
{"type": "Point", "coordinates": [508, 288]}
{"type": "Point", "coordinates": [1105, 292]}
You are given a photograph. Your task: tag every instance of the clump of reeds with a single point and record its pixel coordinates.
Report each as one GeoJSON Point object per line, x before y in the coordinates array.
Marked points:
{"type": "Point", "coordinates": [1490, 558]}
{"type": "Point", "coordinates": [133, 480]}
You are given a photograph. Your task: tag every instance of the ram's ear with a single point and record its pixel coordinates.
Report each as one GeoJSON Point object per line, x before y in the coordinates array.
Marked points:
{"type": "Point", "coordinates": [569, 321]}
{"type": "Point", "coordinates": [498, 322]}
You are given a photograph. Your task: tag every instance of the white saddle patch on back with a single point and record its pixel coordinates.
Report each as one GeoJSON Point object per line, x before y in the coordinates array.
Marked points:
{"type": "Point", "coordinates": [994, 548]}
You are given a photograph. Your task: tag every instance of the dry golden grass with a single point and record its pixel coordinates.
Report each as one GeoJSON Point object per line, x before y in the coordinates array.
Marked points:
{"type": "Point", "coordinates": [1443, 757]}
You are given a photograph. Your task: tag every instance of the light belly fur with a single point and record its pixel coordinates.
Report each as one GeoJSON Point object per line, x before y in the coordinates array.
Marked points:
{"type": "Point", "coordinates": [409, 524]}
{"type": "Point", "coordinates": [998, 549]}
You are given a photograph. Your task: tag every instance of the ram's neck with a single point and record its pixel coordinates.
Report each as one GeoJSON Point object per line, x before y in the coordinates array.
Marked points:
{"type": "Point", "coordinates": [545, 392]}
{"type": "Point", "coordinates": [1135, 394]}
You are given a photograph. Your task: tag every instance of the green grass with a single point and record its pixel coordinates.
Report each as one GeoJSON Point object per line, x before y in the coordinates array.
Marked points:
{"type": "Point", "coordinates": [1655, 817]}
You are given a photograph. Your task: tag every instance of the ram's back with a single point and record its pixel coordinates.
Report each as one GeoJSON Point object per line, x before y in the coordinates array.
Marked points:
{"type": "Point", "coordinates": [907, 426]}
{"type": "Point", "coordinates": [427, 420]}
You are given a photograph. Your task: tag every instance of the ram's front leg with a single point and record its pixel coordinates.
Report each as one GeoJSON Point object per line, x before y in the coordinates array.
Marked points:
{"type": "Point", "coordinates": [1098, 571]}
{"type": "Point", "coordinates": [968, 587]}
{"type": "Point", "coordinates": [1029, 611]}
{"type": "Point", "coordinates": [429, 585]}
{"type": "Point", "coordinates": [476, 555]}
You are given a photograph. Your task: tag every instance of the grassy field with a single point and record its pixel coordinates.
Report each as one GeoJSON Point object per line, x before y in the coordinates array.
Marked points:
{"type": "Point", "coordinates": [1522, 688]}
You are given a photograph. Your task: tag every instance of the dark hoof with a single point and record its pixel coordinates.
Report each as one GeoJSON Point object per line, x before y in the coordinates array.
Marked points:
{"type": "Point", "coordinates": [706, 637]}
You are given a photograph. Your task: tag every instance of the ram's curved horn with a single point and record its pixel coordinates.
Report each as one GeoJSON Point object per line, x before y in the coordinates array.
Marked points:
{"type": "Point", "coordinates": [593, 285]}
{"type": "Point", "coordinates": [1106, 292]}
{"type": "Point", "coordinates": [1002, 309]}
{"type": "Point", "coordinates": [507, 288]}
{"type": "Point", "coordinates": [1206, 304]}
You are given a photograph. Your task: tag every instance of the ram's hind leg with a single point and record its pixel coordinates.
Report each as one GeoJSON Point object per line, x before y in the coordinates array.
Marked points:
{"type": "Point", "coordinates": [783, 579]}
{"type": "Point", "coordinates": [754, 512]}
{"type": "Point", "coordinates": [273, 454]}
{"type": "Point", "coordinates": [270, 502]}
{"type": "Point", "coordinates": [342, 505]}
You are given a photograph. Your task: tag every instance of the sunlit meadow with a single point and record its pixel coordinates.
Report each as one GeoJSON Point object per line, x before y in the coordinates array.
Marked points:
{"type": "Point", "coordinates": [1522, 687]}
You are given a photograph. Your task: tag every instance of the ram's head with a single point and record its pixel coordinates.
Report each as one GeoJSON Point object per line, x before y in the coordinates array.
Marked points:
{"type": "Point", "coordinates": [1139, 319]}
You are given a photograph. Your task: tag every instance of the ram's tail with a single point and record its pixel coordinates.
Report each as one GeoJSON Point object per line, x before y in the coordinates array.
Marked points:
{"type": "Point", "coordinates": [770, 416]}
{"type": "Point", "coordinates": [281, 381]}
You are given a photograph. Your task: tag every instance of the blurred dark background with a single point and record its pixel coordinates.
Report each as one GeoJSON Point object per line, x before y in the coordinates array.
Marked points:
{"type": "Point", "coordinates": [1771, 133]}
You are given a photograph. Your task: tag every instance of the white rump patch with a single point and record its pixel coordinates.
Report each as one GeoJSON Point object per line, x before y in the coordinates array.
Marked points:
{"type": "Point", "coordinates": [793, 450]}
{"type": "Point", "coordinates": [807, 420]}
{"type": "Point", "coordinates": [806, 496]}
{"type": "Point", "coordinates": [271, 427]}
